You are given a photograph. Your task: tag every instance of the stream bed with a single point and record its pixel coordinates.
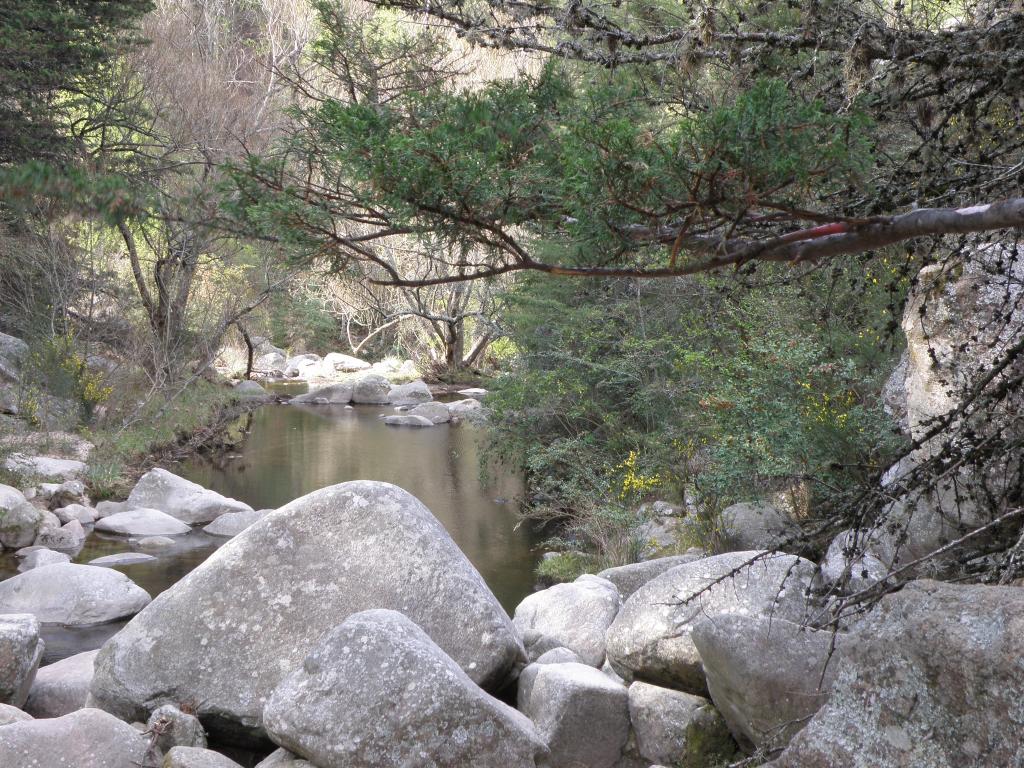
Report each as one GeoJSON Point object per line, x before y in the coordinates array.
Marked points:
{"type": "Point", "coordinates": [291, 450]}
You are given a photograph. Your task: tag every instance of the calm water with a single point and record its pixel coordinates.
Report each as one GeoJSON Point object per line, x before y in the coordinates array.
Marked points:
{"type": "Point", "coordinates": [291, 450]}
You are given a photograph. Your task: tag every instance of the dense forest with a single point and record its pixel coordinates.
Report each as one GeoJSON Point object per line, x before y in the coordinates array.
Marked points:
{"type": "Point", "coordinates": [731, 279]}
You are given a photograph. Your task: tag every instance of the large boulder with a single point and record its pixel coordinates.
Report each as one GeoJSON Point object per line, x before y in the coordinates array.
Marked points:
{"type": "Point", "coordinates": [45, 467]}
{"type": "Point", "coordinates": [233, 523]}
{"type": "Point", "coordinates": [187, 501]}
{"type": "Point", "coordinates": [406, 420]}
{"type": "Point", "coordinates": [83, 514]}
{"type": "Point", "coordinates": [371, 390]}
{"type": "Point", "coordinates": [304, 366]}
{"type": "Point", "coordinates": [72, 594]}
{"type": "Point", "coordinates": [755, 525]}
{"type": "Point", "coordinates": [932, 679]}
{"type": "Point", "coordinates": [62, 687]}
{"type": "Point", "coordinates": [437, 413]}
{"type": "Point", "coordinates": [849, 566]}
{"type": "Point", "coordinates": [19, 520]}
{"type": "Point", "coordinates": [142, 522]}
{"type": "Point", "coordinates": [248, 388]}
{"type": "Point", "coordinates": [413, 393]}
{"type": "Point", "coordinates": [334, 394]}
{"type": "Point", "coordinates": [41, 556]}
{"type": "Point", "coordinates": [57, 495]}
{"type": "Point", "coordinates": [582, 715]}
{"type": "Point", "coordinates": [629, 578]}
{"type": "Point", "coordinates": [676, 728]}
{"type": "Point", "coordinates": [13, 352]}
{"type": "Point", "coordinates": [335, 363]}
{"type": "Point", "coordinates": [282, 758]}
{"type": "Point", "coordinates": [377, 692]}
{"type": "Point", "coordinates": [20, 652]}
{"type": "Point", "coordinates": [87, 738]}
{"type": "Point", "coordinates": [68, 537]}
{"type": "Point", "coordinates": [575, 616]}
{"type": "Point", "coordinates": [766, 675]}
{"type": "Point", "coordinates": [651, 638]}
{"type": "Point", "coordinates": [229, 632]}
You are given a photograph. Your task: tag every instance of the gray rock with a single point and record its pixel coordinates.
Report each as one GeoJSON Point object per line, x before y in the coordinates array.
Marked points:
{"type": "Point", "coordinates": [45, 467]}
{"type": "Point", "coordinates": [71, 594]}
{"type": "Point", "coordinates": [413, 393]}
{"type": "Point", "coordinates": [142, 522]}
{"type": "Point", "coordinates": [282, 758]}
{"type": "Point", "coordinates": [767, 676]}
{"type": "Point", "coordinates": [13, 352]}
{"type": "Point", "coordinates": [9, 714]}
{"type": "Point", "coordinates": [19, 520]}
{"type": "Point", "coordinates": [377, 692]}
{"type": "Point", "coordinates": [932, 679]}
{"type": "Point", "coordinates": [437, 413]}
{"type": "Point", "coordinates": [40, 557]}
{"type": "Point", "coordinates": [62, 687]}
{"type": "Point", "coordinates": [335, 362]}
{"type": "Point", "coordinates": [196, 757]}
{"type": "Point", "coordinates": [174, 728]}
{"type": "Point", "coordinates": [581, 714]}
{"type": "Point", "coordinates": [304, 366]}
{"type": "Point", "coordinates": [87, 738]}
{"type": "Point", "coordinates": [558, 656]}
{"type": "Point", "coordinates": [629, 578]}
{"type": "Point", "coordinates": [408, 421]}
{"type": "Point", "coordinates": [20, 652]}
{"type": "Point", "coordinates": [231, 630]}
{"type": "Point", "coordinates": [233, 523]}
{"type": "Point", "coordinates": [755, 525]}
{"type": "Point", "coordinates": [154, 543]}
{"type": "Point", "coordinates": [123, 558]}
{"type": "Point", "coordinates": [466, 407]}
{"type": "Point", "coordinates": [372, 390]}
{"type": "Point", "coordinates": [83, 514]}
{"type": "Point", "coordinates": [68, 537]}
{"type": "Point", "coordinates": [108, 508]}
{"type": "Point", "coordinates": [473, 392]}
{"type": "Point", "coordinates": [61, 494]}
{"type": "Point", "coordinates": [849, 566]}
{"type": "Point", "coordinates": [335, 394]}
{"type": "Point", "coordinates": [575, 615]}
{"type": "Point", "coordinates": [270, 362]}
{"type": "Point", "coordinates": [651, 639]}
{"type": "Point", "coordinates": [181, 498]}
{"type": "Point", "coordinates": [677, 728]}
{"type": "Point", "coordinates": [250, 389]}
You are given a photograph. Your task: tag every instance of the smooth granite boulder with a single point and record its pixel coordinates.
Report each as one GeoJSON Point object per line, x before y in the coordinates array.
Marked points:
{"type": "Point", "coordinates": [142, 522]}
{"type": "Point", "coordinates": [371, 389]}
{"type": "Point", "coordinates": [62, 687]}
{"type": "Point", "coordinates": [335, 394]}
{"type": "Point", "coordinates": [629, 578]}
{"type": "Point", "coordinates": [377, 692]}
{"type": "Point", "coordinates": [650, 638]}
{"type": "Point", "coordinates": [230, 631]}
{"type": "Point", "coordinates": [72, 594]}
{"type": "Point", "coordinates": [196, 757]}
{"type": "Point", "coordinates": [20, 652]}
{"type": "Point", "coordinates": [19, 520]}
{"type": "Point", "coordinates": [180, 498]}
{"type": "Point", "coordinates": [87, 738]}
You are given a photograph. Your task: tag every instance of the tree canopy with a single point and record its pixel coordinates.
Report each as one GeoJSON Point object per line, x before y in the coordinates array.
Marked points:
{"type": "Point", "coordinates": [657, 139]}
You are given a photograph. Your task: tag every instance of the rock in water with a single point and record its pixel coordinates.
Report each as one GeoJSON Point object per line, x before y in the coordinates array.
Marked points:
{"type": "Point", "coordinates": [20, 652]}
{"type": "Point", "coordinates": [372, 390]}
{"type": "Point", "coordinates": [408, 421]}
{"type": "Point", "coordinates": [62, 687]}
{"type": "Point", "coordinates": [72, 594]}
{"type": "Point", "coordinates": [413, 393]}
{"type": "Point", "coordinates": [228, 633]}
{"type": "Point", "coordinates": [932, 679]}
{"type": "Point", "coordinates": [575, 616]}
{"type": "Point", "coordinates": [87, 738]}
{"type": "Point", "coordinates": [233, 523]}
{"type": "Point", "coordinates": [142, 522]}
{"type": "Point", "coordinates": [377, 692]}
{"type": "Point", "coordinates": [651, 639]}
{"type": "Point", "coordinates": [335, 394]}
{"type": "Point", "coordinates": [187, 501]}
